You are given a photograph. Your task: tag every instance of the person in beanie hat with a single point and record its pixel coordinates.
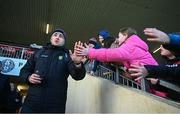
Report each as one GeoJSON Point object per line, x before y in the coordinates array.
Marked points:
{"type": "Point", "coordinates": [172, 58]}
{"type": "Point", "coordinates": [46, 73]}
{"type": "Point", "coordinates": [95, 43]}
{"type": "Point", "coordinates": [61, 31]}
{"type": "Point", "coordinates": [102, 35]}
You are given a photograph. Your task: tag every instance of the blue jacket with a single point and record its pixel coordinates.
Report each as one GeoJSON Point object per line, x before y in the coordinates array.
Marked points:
{"type": "Point", "coordinates": [174, 38]}
{"type": "Point", "coordinates": [174, 44]}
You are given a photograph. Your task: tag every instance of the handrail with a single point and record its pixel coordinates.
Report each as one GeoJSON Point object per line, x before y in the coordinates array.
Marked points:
{"type": "Point", "coordinates": [117, 78]}
{"type": "Point", "coordinates": [169, 85]}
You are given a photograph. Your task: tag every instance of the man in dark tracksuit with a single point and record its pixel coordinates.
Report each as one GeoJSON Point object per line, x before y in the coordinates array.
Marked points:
{"type": "Point", "coordinates": [46, 73]}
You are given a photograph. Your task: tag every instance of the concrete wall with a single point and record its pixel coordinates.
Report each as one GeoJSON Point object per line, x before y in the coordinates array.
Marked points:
{"type": "Point", "coordinates": [97, 95]}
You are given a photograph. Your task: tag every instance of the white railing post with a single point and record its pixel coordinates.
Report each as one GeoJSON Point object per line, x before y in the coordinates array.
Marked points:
{"type": "Point", "coordinates": [22, 53]}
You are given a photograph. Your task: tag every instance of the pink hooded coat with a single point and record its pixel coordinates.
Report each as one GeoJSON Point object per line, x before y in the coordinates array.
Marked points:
{"type": "Point", "coordinates": [132, 51]}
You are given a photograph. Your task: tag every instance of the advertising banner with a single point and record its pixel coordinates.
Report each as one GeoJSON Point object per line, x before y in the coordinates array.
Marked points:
{"type": "Point", "coordinates": [12, 66]}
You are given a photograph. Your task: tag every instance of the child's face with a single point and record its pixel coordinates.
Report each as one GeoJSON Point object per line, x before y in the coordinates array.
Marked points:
{"type": "Point", "coordinates": [57, 39]}
{"type": "Point", "coordinates": [121, 38]}
{"type": "Point", "coordinates": [101, 39]}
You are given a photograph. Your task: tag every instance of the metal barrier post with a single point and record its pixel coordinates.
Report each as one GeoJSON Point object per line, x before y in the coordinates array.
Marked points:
{"type": "Point", "coordinates": [143, 84]}
{"type": "Point", "coordinates": [23, 50]}
{"type": "Point", "coordinates": [117, 75]}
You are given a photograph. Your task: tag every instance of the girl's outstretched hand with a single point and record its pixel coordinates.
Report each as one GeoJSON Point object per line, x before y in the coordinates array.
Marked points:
{"type": "Point", "coordinates": [81, 50]}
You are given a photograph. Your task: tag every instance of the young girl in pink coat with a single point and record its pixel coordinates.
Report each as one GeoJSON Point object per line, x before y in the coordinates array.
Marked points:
{"type": "Point", "coordinates": [131, 50]}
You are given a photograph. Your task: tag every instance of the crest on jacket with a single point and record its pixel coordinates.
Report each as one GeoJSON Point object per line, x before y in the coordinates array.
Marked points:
{"type": "Point", "coordinates": [60, 57]}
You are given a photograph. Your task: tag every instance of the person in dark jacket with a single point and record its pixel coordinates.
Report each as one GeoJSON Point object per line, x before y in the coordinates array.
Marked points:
{"type": "Point", "coordinates": [172, 58]}
{"type": "Point", "coordinates": [93, 43]}
{"type": "Point", "coordinates": [47, 72]}
{"type": "Point", "coordinates": [14, 100]}
{"type": "Point", "coordinates": [4, 91]}
{"type": "Point", "coordinates": [103, 35]}
{"type": "Point", "coordinates": [153, 71]}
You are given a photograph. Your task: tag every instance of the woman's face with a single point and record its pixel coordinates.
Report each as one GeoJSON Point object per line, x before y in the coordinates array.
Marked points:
{"type": "Point", "coordinates": [121, 38]}
{"type": "Point", "coordinates": [101, 39]}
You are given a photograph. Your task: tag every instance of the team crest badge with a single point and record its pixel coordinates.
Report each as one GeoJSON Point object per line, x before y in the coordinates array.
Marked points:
{"type": "Point", "coordinates": [7, 65]}
{"type": "Point", "coordinates": [60, 57]}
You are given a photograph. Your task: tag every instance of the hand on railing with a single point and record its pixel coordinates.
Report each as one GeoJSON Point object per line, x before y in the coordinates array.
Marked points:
{"type": "Point", "coordinates": [153, 80]}
{"type": "Point", "coordinates": [137, 71]}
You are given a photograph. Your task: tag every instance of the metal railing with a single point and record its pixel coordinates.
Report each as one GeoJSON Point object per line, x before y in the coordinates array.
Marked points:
{"type": "Point", "coordinates": [169, 85]}
{"type": "Point", "coordinates": [118, 78]}
{"type": "Point", "coordinates": [114, 76]}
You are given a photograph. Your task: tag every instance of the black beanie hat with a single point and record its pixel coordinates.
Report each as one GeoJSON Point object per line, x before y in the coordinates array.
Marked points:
{"type": "Point", "coordinates": [61, 31]}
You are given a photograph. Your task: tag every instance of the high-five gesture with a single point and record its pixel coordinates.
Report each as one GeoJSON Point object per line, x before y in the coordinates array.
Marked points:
{"type": "Point", "coordinates": [82, 50]}
{"type": "Point", "coordinates": [76, 58]}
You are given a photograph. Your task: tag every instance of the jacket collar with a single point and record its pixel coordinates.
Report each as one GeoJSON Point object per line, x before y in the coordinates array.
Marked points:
{"type": "Point", "coordinates": [60, 48]}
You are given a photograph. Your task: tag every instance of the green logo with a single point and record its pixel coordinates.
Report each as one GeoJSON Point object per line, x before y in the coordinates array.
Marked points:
{"type": "Point", "coordinates": [60, 57]}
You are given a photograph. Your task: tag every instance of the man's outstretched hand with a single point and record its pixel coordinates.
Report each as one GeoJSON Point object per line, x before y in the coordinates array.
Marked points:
{"type": "Point", "coordinates": [76, 58]}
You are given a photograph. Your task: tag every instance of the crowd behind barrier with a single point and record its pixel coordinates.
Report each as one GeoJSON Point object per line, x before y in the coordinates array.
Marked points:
{"type": "Point", "coordinates": [115, 76]}
{"type": "Point", "coordinates": [103, 72]}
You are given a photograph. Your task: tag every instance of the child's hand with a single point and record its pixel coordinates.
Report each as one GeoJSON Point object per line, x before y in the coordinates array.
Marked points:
{"type": "Point", "coordinates": [81, 50]}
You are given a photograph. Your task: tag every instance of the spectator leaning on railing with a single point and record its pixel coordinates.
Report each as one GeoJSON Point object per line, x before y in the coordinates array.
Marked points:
{"type": "Point", "coordinates": [155, 35]}
{"type": "Point", "coordinates": [132, 50]}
